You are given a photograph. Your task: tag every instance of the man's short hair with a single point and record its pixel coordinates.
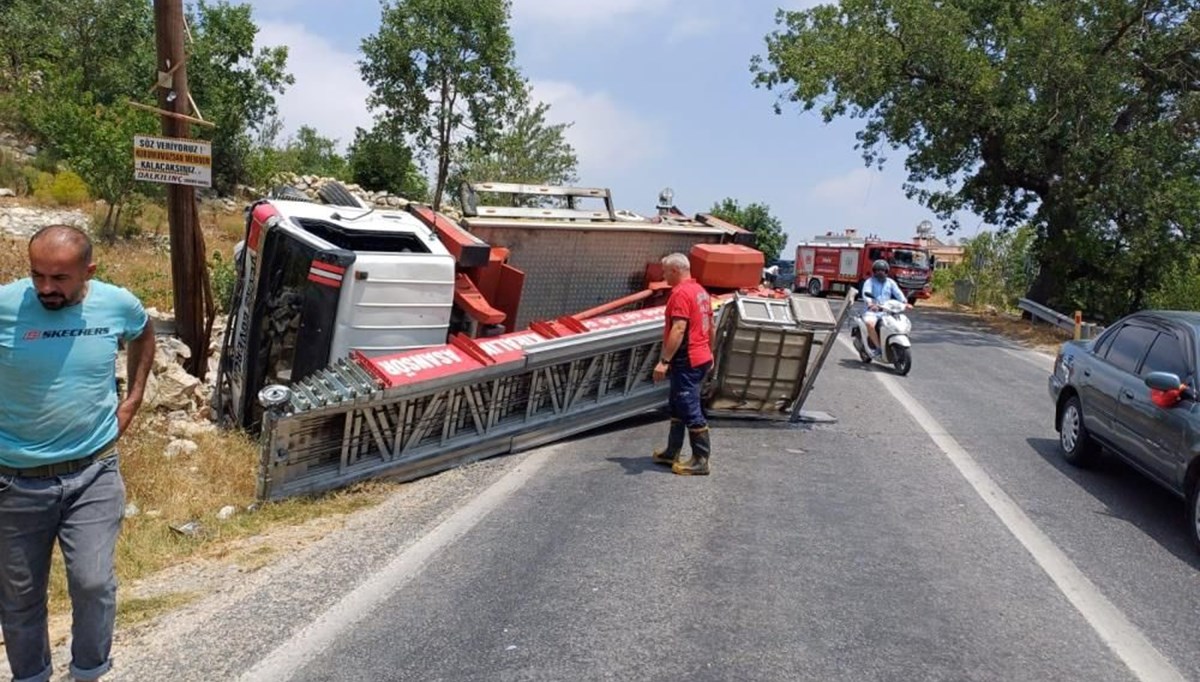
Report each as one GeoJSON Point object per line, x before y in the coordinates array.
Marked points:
{"type": "Point", "coordinates": [69, 235]}
{"type": "Point", "coordinates": [678, 261]}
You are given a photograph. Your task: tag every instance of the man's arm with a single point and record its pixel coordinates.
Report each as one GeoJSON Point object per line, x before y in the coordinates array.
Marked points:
{"type": "Point", "coordinates": [139, 359]}
{"type": "Point", "coordinates": [670, 346]}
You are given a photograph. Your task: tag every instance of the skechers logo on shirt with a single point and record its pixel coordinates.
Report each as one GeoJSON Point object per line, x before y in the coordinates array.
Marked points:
{"type": "Point", "coordinates": [39, 334]}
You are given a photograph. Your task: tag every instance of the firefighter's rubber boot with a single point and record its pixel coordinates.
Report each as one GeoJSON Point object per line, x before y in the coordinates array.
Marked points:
{"type": "Point", "coordinates": [669, 454]}
{"type": "Point", "coordinates": [697, 464]}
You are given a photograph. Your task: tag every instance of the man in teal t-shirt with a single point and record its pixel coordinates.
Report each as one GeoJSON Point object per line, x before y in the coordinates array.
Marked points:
{"type": "Point", "coordinates": [59, 422]}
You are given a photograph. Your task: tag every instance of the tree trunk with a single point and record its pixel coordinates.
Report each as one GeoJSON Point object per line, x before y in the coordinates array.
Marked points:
{"type": "Point", "coordinates": [1049, 287]}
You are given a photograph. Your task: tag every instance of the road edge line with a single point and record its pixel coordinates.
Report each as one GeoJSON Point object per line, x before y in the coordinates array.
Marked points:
{"type": "Point", "coordinates": [307, 643]}
{"type": "Point", "coordinates": [1121, 636]}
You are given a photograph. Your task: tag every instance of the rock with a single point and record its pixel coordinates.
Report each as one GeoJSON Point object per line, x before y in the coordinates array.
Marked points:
{"type": "Point", "coordinates": [187, 428]}
{"type": "Point", "coordinates": [131, 510]}
{"type": "Point", "coordinates": [226, 512]}
{"type": "Point", "coordinates": [176, 389]}
{"type": "Point", "coordinates": [180, 446]}
{"type": "Point", "coordinates": [153, 514]}
{"type": "Point", "coordinates": [190, 529]}
{"type": "Point", "coordinates": [31, 150]}
{"type": "Point", "coordinates": [392, 202]}
{"type": "Point", "coordinates": [5, 192]}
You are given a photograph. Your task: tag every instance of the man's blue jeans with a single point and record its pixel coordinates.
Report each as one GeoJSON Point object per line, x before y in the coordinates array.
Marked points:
{"type": "Point", "coordinates": [83, 511]}
{"type": "Point", "coordinates": [684, 401]}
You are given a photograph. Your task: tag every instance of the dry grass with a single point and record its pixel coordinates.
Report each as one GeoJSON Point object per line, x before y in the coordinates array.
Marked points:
{"type": "Point", "coordinates": [169, 492]}
{"type": "Point", "coordinates": [1044, 337]}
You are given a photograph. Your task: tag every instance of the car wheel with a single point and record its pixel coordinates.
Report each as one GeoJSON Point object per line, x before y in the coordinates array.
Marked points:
{"type": "Point", "coordinates": [814, 287]}
{"type": "Point", "coordinates": [1076, 443]}
{"type": "Point", "coordinates": [901, 359]}
{"type": "Point", "coordinates": [1193, 513]}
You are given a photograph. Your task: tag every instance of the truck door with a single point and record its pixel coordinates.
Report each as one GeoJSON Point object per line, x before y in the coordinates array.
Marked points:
{"type": "Point", "coordinates": [1157, 434]}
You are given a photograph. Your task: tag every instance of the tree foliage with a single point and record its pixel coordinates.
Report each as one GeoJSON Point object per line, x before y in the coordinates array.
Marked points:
{"type": "Point", "coordinates": [1079, 117]}
{"type": "Point", "coordinates": [234, 84]}
{"type": "Point", "coordinates": [768, 231]}
{"type": "Point", "coordinates": [442, 72]}
{"type": "Point", "coordinates": [381, 161]}
{"type": "Point", "coordinates": [527, 151]}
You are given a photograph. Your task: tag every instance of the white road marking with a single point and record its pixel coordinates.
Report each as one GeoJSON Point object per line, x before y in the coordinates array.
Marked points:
{"type": "Point", "coordinates": [309, 642]}
{"type": "Point", "coordinates": [1121, 636]}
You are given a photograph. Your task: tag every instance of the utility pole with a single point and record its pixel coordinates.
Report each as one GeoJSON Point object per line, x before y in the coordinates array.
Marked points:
{"type": "Point", "coordinates": [189, 275]}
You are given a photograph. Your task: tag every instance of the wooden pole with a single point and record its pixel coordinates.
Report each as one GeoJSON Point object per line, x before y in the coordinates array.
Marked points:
{"type": "Point", "coordinates": [192, 298]}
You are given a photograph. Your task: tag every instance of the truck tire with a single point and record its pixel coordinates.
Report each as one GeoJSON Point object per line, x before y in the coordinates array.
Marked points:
{"type": "Point", "coordinates": [814, 287]}
{"type": "Point", "coordinates": [289, 193]}
{"type": "Point", "coordinates": [1077, 445]}
{"type": "Point", "coordinates": [336, 194]}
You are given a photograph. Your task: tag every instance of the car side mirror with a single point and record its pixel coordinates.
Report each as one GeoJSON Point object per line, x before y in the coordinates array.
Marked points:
{"type": "Point", "coordinates": [1163, 381]}
{"type": "Point", "coordinates": [1166, 390]}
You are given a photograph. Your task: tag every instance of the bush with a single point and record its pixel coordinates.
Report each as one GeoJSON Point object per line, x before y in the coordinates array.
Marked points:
{"type": "Point", "coordinates": [222, 273]}
{"type": "Point", "coordinates": [64, 189]}
{"type": "Point", "coordinates": [11, 175]}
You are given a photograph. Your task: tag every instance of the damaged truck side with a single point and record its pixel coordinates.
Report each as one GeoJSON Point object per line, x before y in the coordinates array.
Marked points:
{"type": "Point", "coordinates": [366, 342]}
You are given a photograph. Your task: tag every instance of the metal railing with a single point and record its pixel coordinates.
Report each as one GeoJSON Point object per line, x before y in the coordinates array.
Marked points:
{"type": "Point", "coordinates": [1082, 330]}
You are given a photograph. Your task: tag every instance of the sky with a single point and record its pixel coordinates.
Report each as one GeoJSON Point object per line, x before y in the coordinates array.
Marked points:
{"type": "Point", "coordinates": [659, 94]}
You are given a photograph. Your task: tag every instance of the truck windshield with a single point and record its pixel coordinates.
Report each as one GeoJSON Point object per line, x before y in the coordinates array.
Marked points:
{"type": "Point", "coordinates": [906, 258]}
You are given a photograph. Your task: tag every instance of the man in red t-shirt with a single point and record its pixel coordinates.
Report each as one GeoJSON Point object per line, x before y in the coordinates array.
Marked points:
{"type": "Point", "coordinates": [686, 358]}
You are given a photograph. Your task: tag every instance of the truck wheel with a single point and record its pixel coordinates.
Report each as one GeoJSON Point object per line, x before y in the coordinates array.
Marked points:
{"type": "Point", "coordinates": [289, 193]}
{"type": "Point", "coordinates": [814, 287]}
{"type": "Point", "coordinates": [335, 193]}
{"type": "Point", "coordinates": [1076, 443]}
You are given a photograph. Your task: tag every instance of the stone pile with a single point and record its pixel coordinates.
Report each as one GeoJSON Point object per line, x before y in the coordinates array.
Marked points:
{"type": "Point", "coordinates": [311, 184]}
{"type": "Point", "coordinates": [21, 221]}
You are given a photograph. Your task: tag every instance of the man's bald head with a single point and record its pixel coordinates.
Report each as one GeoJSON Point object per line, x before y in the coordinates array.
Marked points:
{"type": "Point", "coordinates": [60, 265]}
{"type": "Point", "coordinates": [61, 238]}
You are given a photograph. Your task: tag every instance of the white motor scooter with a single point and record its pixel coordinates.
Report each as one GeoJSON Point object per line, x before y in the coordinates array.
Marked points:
{"type": "Point", "coordinates": [894, 327]}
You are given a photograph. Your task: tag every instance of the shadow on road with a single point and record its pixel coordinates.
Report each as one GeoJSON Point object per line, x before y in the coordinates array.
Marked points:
{"type": "Point", "coordinates": [1130, 497]}
{"type": "Point", "coordinates": [635, 466]}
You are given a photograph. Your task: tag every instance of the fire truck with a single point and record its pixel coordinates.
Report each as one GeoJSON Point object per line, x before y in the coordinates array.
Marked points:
{"type": "Point", "coordinates": [824, 267]}
{"type": "Point", "coordinates": [364, 342]}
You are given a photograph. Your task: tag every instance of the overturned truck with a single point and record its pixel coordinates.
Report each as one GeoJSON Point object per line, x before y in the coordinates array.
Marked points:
{"type": "Point", "coordinates": [364, 342]}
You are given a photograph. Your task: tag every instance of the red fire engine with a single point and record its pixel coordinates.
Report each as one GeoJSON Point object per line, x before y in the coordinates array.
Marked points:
{"type": "Point", "coordinates": [823, 267]}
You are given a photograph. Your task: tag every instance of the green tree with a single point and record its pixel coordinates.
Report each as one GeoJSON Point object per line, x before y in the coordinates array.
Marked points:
{"type": "Point", "coordinates": [234, 85]}
{"type": "Point", "coordinates": [527, 151]}
{"type": "Point", "coordinates": [442, 72]}
{"type": "Point", "coordinates": [1079, 117]}
{"type": "Point", "coordinates": [311, 154]}
{"type": "Point", "coordinates": [104, 47]}
{"type": "Point", "coordinates": [380, 161]}
{"type": "Point", "coordinates": [768, 231]}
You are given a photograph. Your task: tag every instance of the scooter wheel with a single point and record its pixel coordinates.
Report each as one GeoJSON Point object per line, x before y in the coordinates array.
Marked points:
{"type": "Point", "coordinates": [901, 359]}
{"type": "Point", "coordinates": [862, 350]}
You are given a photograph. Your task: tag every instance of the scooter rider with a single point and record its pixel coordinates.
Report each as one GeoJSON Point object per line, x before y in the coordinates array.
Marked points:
{"type": "Point", "coordinates": [878, 289]}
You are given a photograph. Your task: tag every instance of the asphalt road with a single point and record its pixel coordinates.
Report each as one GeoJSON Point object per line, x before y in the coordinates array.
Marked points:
{"type": "Point", "coordinates": [938, 540]}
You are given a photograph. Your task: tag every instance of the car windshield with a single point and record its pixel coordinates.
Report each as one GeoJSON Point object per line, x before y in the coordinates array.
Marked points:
{"type": "Point", "coordinates": [906, 258]}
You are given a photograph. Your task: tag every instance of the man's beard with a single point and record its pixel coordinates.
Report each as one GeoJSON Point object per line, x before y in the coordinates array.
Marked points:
{"type": "Point", "coordinates": [54, 302]}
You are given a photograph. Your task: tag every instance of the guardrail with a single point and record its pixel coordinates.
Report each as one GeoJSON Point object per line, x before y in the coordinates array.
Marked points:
{"type": "Point", "coordinates": [1082, 330]}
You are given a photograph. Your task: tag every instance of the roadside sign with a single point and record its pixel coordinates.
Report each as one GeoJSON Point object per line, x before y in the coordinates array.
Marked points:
{"type": "Point", "coordinates": [172, 160]}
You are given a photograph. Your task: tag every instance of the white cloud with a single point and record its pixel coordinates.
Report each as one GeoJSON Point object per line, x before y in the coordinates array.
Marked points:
{"type": "Point", "coordinates": [329, 94]}
{"type": "Point", "coordinates": [691, 27]}
{"type": "Point", "coordinates": [850, 190]}
{"type": "Point", "coordinates": [607, 137]}
{"type": "Point", "coordinates": [583, 15]}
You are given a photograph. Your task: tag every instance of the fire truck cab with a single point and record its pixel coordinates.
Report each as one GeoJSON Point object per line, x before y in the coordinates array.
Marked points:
{"type": "Point", "coordinates": [825, 267]}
